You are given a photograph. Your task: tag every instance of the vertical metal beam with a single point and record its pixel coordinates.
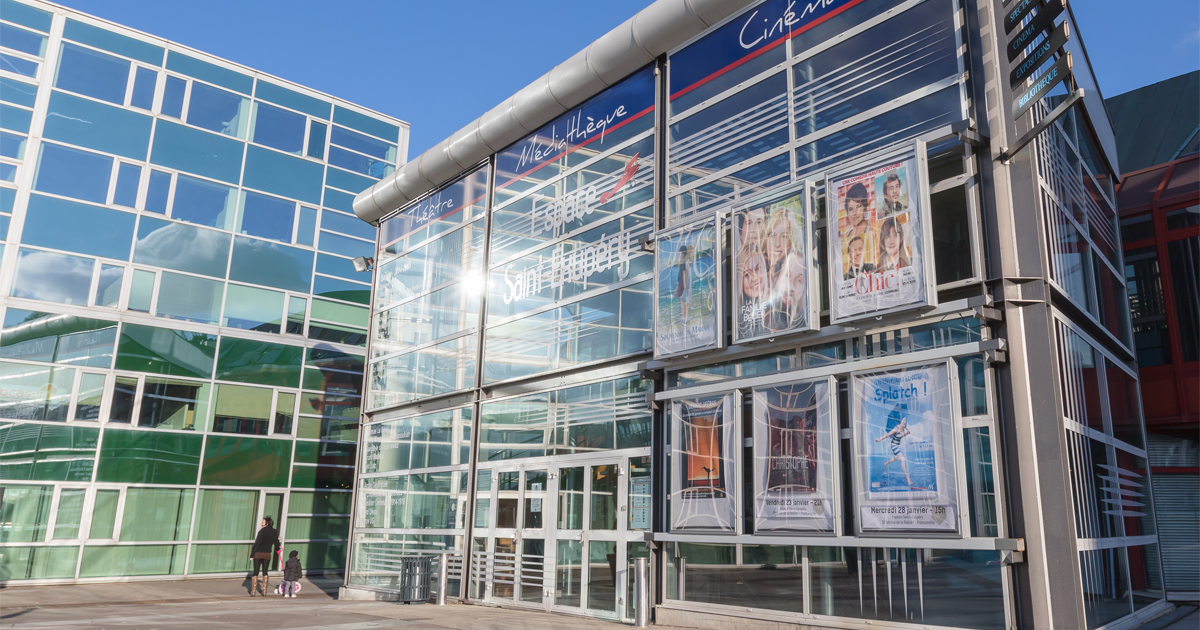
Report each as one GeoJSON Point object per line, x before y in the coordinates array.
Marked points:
{"type": "Point", "coordinates": [1047, 586]}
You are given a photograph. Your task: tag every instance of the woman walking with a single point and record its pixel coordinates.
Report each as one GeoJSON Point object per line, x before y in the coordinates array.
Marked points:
{"type": "Point", "coordinates": [266, 545]}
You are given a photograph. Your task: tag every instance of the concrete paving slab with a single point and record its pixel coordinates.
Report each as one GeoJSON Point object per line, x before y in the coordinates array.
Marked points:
{"type": "Point", "coordinates": [223, 603]}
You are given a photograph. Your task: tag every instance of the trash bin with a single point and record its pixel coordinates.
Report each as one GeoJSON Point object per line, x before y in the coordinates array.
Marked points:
{"type": "Point", "coordinates": [415, 572]}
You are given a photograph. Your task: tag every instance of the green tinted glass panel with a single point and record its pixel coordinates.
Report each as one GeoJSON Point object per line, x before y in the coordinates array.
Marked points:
{"type": "Point", "coordinates": [340, 313]}
{"type": "Point", "coordinates": [40, 452]}
{"type": "Point", "coordinates": [242, 461]}
{"type": "Point", "coordinates": [113, 42]}
{"type": "Point", "coordinates": [220, 558]}
{"type": "Point", "coordinates": [334, 360]}
{"type": "Point", "coordinates": [148, 457]}
{"type": "Point", "coordinates": [348, 383]}
{"type": "Point", "coordinates": [242, 409]}
{"type": "Point", "coordinates": [247, 361]}
{"type": "Point", "coordinates": [319, 503]}
{"type": "Point", "coordinates": [226, 515]}
{"type": "Point", "coordinates": [181, 247]}
{"type": "Point", "coordinates": [274, 172]}
{"type": "Point", "coordinates": [294, 100]}
{"type": "Point", "coordinates": [26, 513]}
{"type": "Point", "coordinates": [209, 72]}
{"type": "Point", "coordinates": [35, 392]}
{"type": "Point", "coordinates": [189, 298]}
{"type": "Point", "coordinates": [339, 289]}
{"type": "Point", "coordinates": [330, 453]}
{"type": "Point", "coordinates": [141, 290]}
{"type": "Point", "coordinates": [317, 528]}
{"type": "Point", "coordinates": [51, 337]}
{"type": "Point", "coordinates": [104, 514]}
{"type": "Point", "coordinates": [157, 514]}
{"type": "Point", "coordinates": [164, 351]}
{"type": "Point", "coordinates": [249, 308]}
{"type": "Point", "coordinates": [197, 152]}
{"type": "Point", "coordinates": [98, 126]}
{"type": "Point", "coordinates": [172, 404]}
{"type": "Point", "coordinates": [322, 477]}
{"type": "Point", "coordinates": [70, 513]}
{"type": "Point", "coordinates": [121, 561]}
{"type": "Point", "coordinates": [271, 264]}
{"type": "Point", "coordinates": [38, 563]}
{"type": "Point", "coordinates": [321, 555]}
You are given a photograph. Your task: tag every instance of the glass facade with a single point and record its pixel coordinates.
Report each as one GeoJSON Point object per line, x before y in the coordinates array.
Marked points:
{"type": "Point", "coordinates": [183, 339]}
{"type": "Point", "coordinates": [522, 424]}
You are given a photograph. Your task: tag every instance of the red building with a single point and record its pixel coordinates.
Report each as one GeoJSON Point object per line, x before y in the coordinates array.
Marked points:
{"type": "Point", "coordinates": [1159, 204]}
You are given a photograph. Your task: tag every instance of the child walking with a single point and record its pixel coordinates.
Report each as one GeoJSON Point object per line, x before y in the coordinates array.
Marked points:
{"type": "Point", "coordinates": [291, 574]}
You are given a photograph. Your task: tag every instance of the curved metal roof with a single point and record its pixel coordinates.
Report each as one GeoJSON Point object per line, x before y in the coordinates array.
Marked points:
{"type": "Point", "coordinates": [658, 28]}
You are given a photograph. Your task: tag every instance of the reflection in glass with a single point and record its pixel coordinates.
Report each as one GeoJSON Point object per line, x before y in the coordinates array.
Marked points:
{"type": "Point", "coordinates": [570, 498]}
{"type": "Point", "coordinates": [278, 128]}
{"type": "Point", "coordinates": [604, 497]}
{"type": "Point", "coordinates": [189, 298]}
{"type": "Point", "coordinates": [91, 393]}
{"type": "Point", "coordinates": [26, 511]}
{"type": "Point", "coordinates": [123, 397]}
{"type": "Point", "coordinates": [142, 290]}
{"type": "Point", "coordinates": [172, 404]}
{"type": "Point", "coordinates": [241, 409]}
{"type": "Point", "coordinates": [172, 102]}
{"type": "Point", "coordinates": [483, 500]}
{"type": "Point", "coordinates": [104, 514]}
{"type": "Point", "coordinates": [249, 308]}
{"type": "Point", "coordinates": [52, 277]}
{"type": "Point", "coordinates": [158, 191]}
{"type": "Point", "coordinates": [640, 493]}
{"type": "Point", "coordinates": [157, 514]}
{"type": "Point", "coordinates": [57, 338]}
{"type": "Point", "coordinates": [532, 564]}
{"type": "Point", "coordinates": [271, 264]}
{"type": "Point", "coordinates": [181, 247]}
{"type": "Point", "coordinates": [217, 110]}
{"type": "Point", "coordinates": [73, 173]}
{"type": "Point", "coordinates": [285, 405]}
{"type": "Point", "coordinates": [507, 484]}
{"type": "Point", "coordinates": [602, 575]}
{"type": "Point", "coordinates": [268, 217]}
{"type": "Point", "coordinates": [70, 513]}
{"type": "Point", "coordinates": [295, 317]}
{"type": "Point", "coordinates": [226, 515]}
{"type": "Point", "coordinates": [128, 179]}
{"type": "Point", "coordinates": [568, 578]}
{"type": "Point", "coordinates": [203, 203]}
{"type": "Point", "coordinates": [144, 82]}
{"type": "Point", "coordinates": [306, 225]}
{"type": "Point", "coordinates": [535, 498]}
{"type": "Point", "coordinates": [35, 392]}
{"type": "Point", "coordinates": [316, 140]}
{"type": "Point", "coordinates": [92, 73]}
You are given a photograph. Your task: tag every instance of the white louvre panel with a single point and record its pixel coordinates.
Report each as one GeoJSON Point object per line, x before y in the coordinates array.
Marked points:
{"type": "Point", "coordinates": [1177, 501]}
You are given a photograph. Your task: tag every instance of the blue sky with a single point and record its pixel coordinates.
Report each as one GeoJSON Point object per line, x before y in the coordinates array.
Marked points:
{"type": "Point", "coordinates": [439, 65]}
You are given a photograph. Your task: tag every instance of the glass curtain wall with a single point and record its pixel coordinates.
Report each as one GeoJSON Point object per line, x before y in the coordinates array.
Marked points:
{"type": "Point", "coordinates": [183, 338]}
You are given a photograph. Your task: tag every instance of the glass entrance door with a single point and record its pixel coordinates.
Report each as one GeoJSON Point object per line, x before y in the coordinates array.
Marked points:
{"type": "Point", "coordinates": [556, 535]}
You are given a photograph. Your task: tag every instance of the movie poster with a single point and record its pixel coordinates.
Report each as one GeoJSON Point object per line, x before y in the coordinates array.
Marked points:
{"type": "Point", "coordinates": [687, 311]}
{"type": "Point", "coordinates": [880, 260]}
{"type": "Point", "coordinates": [905, 458]}
{"type": "Point", "coordinates": [794, 484]}
{"type": "Point", "coordinates": [703, 464]}
{"type": "Point", "coordinates": [772, 266]}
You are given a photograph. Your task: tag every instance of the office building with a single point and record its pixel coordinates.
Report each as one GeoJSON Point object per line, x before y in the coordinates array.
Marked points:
{"type": "Point", "coordinates": [183, 328]}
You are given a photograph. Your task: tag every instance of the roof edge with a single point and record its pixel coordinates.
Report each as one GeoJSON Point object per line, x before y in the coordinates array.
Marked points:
{"type": "Point", "coordinates": [655, 30]}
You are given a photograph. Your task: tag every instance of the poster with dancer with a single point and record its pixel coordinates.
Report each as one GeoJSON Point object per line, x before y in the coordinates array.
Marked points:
{"type": "Point", "coordinates": [905, 455]}
{"type": "Point", "coordinates": [687, 306]}
{"type": "Point", "coordinates": [794, 467]}
{"type": "Point", "coordinates": [703, 462]}
{"type": "Point", "coordinates": [774, 286]}
{"type": "Point", "coordinates": [880, 260]}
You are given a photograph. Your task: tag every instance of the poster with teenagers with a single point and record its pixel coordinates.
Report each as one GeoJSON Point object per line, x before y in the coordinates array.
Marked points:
{"type": "Point", "coordinates": [704, 480]}
{"type": "Point", "coordinates": [687, 289]}
{"type": "Point", "coordinates": [880, 245]}
{"type": "Point", "coordinates": [774, 286]}
{"type": "Point", "coordinates": [905, 460]}
{"type": "Point", "coordinates": [794, 465]}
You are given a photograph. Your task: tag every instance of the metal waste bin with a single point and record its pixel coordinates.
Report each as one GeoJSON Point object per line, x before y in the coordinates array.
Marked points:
{"type": "Point", "coordinates": [415, 572]}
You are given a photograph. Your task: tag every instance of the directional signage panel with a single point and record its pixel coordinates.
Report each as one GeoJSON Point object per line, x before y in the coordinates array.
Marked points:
{"type": "Point", "coordinates": [1017, 12]}
{"type": "Point", "coordinates": [1034, 60]}
{"type": "Point", "coordinates": [1055, 75]}
{"type": "Point", "coordinates": [1042, 21]}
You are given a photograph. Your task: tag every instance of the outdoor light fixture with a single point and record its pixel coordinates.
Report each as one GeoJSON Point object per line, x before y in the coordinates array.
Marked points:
{"type": "Point", "coordinates": [363, 263]}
